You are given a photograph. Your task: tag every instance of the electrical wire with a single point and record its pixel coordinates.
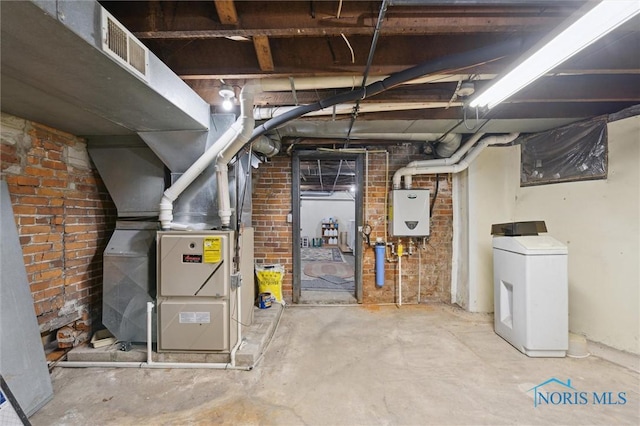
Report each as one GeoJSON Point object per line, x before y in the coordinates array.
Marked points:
{"type": "Point", "coordinates": [353, 56]}
{"type": "Point", "coordinates": [435, 196]}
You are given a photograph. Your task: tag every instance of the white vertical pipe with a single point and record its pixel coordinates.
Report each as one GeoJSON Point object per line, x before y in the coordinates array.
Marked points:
{"type": "Point", "coordinates": [230, 149]}
{"type": "Point", "coordinates": [400, 280]}
{"type": "Point", "coordinates": [239, 324]}
{"type": "Point", "coordinates": [149, 332]}
{"type": "Point", "coordinates": [419, 272]}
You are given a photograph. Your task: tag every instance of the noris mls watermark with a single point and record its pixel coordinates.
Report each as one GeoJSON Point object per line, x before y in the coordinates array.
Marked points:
{"type": "Point", "coordinates": [565, 394]}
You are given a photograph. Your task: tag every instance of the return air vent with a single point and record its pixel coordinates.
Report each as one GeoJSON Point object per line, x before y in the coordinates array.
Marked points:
{"type": "Point", "coordinates": [120, 44]}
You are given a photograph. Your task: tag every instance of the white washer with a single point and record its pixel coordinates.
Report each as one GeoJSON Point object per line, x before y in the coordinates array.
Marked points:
{"type": "Point", "coordinates": [531, 294]}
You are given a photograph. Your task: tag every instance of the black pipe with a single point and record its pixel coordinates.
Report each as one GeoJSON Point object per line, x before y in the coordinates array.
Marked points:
{"type": "Point", "coordinates": [374, 42]}
{"type": "Point", "coordinates": [455, 61]}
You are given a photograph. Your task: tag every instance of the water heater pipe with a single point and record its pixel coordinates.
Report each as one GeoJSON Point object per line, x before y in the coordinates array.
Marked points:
{"type": "Point", "coordinates": [400, 253]}
{"type": "Point", "coordinates": [240, 129]}
{"type": "Point", "coordinates": [453, 159]}
{"type": "Point", "coordinates": [454, 168]}
{"type": "Point", "coordinates": [399, 280]}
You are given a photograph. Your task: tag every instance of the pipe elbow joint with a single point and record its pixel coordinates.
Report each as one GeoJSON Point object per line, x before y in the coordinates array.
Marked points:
{"type": "Point", "coordinates": [166, 213]}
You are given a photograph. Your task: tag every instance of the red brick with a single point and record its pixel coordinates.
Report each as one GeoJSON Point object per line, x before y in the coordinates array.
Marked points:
{"type": "Point", "coordinates": [37, 171]}
{"type": "Point", "coordinates": [56, 183]}
{"type": "Point", "coordinates": [56, 165]}
{"type": "Point", "coordinates": [22, 180]}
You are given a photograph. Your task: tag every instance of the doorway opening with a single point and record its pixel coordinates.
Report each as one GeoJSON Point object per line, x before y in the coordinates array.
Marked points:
{"type": "Point", "coordinates": [327, 214]}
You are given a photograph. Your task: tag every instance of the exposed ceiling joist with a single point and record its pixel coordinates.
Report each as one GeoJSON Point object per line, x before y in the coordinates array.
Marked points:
{"type": "Point", "coordinates": [394, 26]}
{"type": "Point", "coordinates": [263, 52]}
{"type": "Point", "coordinates": [226, 12]}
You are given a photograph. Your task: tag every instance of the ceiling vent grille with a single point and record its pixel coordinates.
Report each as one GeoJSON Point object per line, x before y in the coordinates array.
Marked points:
{"type": "Point", "coordinates": [121, 45]}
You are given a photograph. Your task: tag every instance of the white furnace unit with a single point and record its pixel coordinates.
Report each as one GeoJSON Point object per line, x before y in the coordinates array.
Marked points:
{"type": "Point", "coordinates": [409, 212]}
{"type": "Point", "coordinates": [198, 291]}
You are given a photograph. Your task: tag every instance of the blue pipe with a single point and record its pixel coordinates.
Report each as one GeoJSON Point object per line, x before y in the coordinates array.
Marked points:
{"type": "Point", "coordinates": [380, 249]}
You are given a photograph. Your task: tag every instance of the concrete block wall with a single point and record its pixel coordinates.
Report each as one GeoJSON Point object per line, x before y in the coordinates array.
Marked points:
{"type": "Point", "coordinates": [432, 267]}
{"type": "Point", "coordinates": [64, 217]}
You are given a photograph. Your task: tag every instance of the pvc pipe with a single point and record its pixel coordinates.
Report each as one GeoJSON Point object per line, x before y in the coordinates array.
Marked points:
{"type": "Point", "coordinates": [162, 365]}
{"type": "Point", "coordinates": [419, 272]}
{"type": "Point", "coordinates": [230, 149]}
{"type": "Point", "coordinates": [152, 364]}
{"type": "Point", "coordinates": [457, 61]}
{"type": "Point", "coordinates": [455, 168]}
{"type": "Point", "coordinates": [399, 280]}
{"type": "Point", "coordinates": [238, 324]}
{"type": "Point", "coordinates": [149, 332]}
{"type": "Point", "coordinates": [241, 128]}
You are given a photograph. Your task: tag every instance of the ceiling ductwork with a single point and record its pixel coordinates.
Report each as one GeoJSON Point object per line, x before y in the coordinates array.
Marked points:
{"type": "Point", "coordinates": [74, 67]}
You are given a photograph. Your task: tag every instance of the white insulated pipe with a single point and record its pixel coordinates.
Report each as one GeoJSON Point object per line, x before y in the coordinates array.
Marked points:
{"type": "Point", "coordinates": [241, 128]}
{"type": "Point", "coordinates": [266, 113]}
{"type": "Point", "coordinates": [312, 83]}
{"type": "Point", "coordinates": [452, 168]}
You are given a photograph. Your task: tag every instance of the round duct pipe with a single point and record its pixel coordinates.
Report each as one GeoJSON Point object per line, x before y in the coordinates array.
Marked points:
{"type": "Point", "coordinates": [266, 146]}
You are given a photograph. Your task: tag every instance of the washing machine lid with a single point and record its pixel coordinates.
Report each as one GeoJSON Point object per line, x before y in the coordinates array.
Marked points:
{"type": "Point", "coordinates": [530, 245]}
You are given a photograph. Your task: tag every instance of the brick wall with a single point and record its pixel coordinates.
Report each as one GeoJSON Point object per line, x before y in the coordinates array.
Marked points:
{"type": "Point", "coordinates": [431, 266]}
{"type": "Point", "coordinates": [271, 204]}
{"type": "Point", "coordinates": [64, 217]}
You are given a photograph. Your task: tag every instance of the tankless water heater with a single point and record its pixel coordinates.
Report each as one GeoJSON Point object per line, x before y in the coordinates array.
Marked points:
{"type": "Point", "coordinates": [409, 212]}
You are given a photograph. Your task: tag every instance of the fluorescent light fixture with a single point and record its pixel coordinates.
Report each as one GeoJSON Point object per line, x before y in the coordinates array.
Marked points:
{"type": "Point", "coordinates": [598, 21]}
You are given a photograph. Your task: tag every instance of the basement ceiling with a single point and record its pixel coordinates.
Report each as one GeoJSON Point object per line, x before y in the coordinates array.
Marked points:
{"type": "Point", "coordinates": [292, 45]}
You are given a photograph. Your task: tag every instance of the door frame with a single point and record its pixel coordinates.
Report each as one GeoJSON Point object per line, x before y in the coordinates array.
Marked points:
{"type": "Point", "coordinates": [295, 210]}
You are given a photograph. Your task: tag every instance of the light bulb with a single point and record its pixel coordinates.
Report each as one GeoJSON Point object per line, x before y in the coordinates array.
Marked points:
{"type": "Point", "coordinates": [227, 104]}
{"type": "Point", "coordinates": [353, 188]}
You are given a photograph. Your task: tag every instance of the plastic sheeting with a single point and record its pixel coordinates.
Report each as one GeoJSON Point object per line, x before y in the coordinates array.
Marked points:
{"type": "Point", "coordinates": [570, 153]}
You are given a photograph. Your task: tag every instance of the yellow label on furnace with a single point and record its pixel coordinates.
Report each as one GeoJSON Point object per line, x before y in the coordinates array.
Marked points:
{"type": "Point", "coordinates": [212, 249]}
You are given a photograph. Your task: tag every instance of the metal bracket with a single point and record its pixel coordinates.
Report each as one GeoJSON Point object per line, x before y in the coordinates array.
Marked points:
{"type": "Point", "coordinates": [236, 280]}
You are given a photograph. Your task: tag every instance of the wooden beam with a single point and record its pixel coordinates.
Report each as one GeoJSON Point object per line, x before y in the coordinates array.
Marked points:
{"type": "Point", "coordinates": [398, 26]}
{"type": "Point", "coordinates": [226, 12]}
{"type": "Point", "coordinates": [263, 52]}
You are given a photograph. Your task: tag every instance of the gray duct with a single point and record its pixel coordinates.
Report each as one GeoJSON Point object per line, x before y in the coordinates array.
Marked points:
{"type": "Point", "coordinates": [266, 146]}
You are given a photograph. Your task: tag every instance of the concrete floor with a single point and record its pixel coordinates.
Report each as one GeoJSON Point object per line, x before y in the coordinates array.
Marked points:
{"type": "Point", "coordinates": [344, 365]}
